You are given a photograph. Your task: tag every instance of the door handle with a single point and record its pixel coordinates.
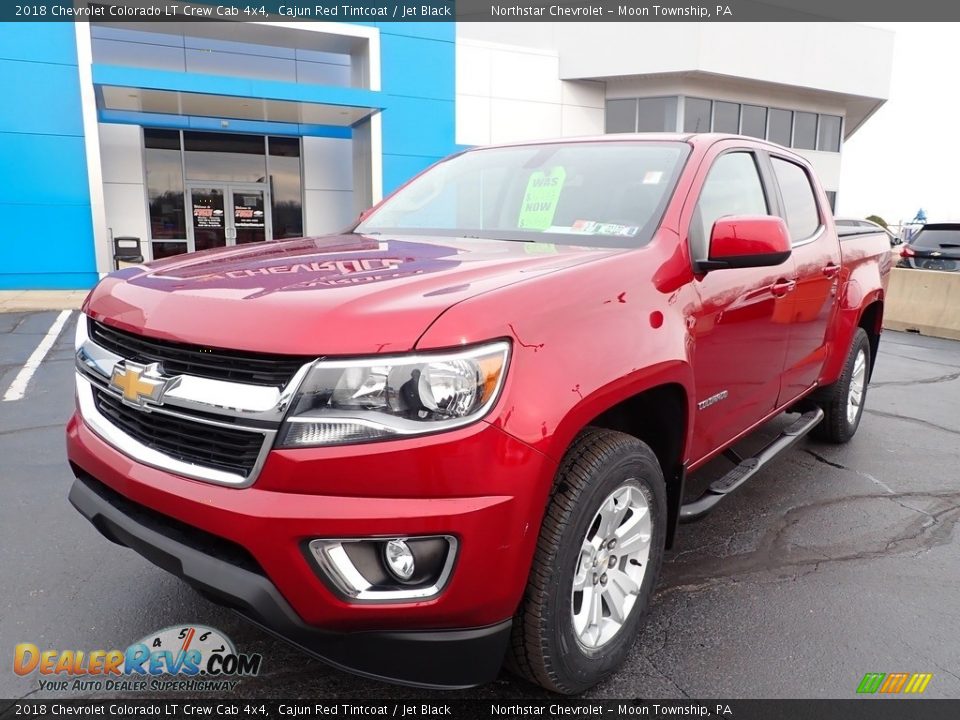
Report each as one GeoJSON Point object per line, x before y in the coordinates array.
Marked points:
{"type": "Point", "coordinates": [831, 270]}
{"type": "Point", "coordinates": [782, 287]}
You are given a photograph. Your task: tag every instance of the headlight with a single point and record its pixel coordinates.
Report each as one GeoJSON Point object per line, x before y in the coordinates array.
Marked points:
{"type": "Point", "coordinates": [348, 401]}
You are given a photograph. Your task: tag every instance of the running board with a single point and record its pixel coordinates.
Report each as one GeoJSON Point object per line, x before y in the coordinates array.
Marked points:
{"type": "Point", "coordinates": [749, 467]}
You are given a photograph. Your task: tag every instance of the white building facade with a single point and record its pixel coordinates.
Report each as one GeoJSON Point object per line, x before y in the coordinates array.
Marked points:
{"type": "Point", "coordinates": [808, 86]}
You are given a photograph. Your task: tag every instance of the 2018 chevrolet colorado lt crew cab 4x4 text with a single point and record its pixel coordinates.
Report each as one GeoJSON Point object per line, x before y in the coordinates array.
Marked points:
{"type": "Point", "coordinates": [459, 431]}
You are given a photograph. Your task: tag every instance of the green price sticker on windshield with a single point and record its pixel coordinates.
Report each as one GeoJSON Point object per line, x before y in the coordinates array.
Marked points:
{"type": "Point", "coordinates": [540, 200]}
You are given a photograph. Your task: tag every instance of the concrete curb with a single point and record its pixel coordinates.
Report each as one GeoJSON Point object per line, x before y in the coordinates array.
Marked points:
{"type": "Point", "coordinates": [34, 300]}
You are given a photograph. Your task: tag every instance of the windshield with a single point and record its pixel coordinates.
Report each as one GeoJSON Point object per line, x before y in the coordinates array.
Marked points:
{"type": "Point", "coordinates": [609, 194]}
{"type": "Point", "coordinates": [934, 238]}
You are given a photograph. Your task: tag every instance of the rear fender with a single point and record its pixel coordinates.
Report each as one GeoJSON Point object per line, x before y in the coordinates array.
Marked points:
{"type": "Point", "coordinates": [853, 304]}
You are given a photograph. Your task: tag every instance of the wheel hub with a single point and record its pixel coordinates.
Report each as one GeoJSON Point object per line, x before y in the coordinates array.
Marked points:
{"type": "Point", "coordinates": [858, 382]}
{"type": "Point", "coordinates": [611, 566]}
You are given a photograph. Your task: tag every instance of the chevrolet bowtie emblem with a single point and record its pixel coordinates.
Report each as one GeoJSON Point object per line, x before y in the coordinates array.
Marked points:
{"type": "Point", "coordinates": [140, 384]}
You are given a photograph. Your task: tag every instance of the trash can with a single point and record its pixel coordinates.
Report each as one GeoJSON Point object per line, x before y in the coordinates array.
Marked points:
{"type": "Point", "coordinates": [126, 251]}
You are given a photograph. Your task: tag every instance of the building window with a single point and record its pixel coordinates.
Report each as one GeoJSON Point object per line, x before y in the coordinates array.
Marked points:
{"type": "Point", "coordinates": [726, 117]}
{"type": "Point", "coordinates": [654, 114]}
{"type": "Point", "coordinates": [221, 56]}
{"type": "Point", "coordinates": [164, 172]}
{"type": "Point", "coordinates": [799, 202]}
{"type": "Point", "coordinates": [657, 114]}
{"type": "Point", "coordinates": [168, 249]}
{"type": "Point", "coordinates": [832, 199]}
{"type": "Point", "coordinates": [805, 131]}
{"type": "Point", "coordinates": [285, 187]}
{"type": "Point", "coordinates": [696, 115]}
{"type": "Point", "coordinates": [753, 121]}
{"type": "Point", "coordinates": [829, 136]}
{"type": "Point", "coordinates": [780, 128]}
{"type": "Point", "coordinates": [621, 116]}
{"type": "Point", "coordinates": [790, 128]}
{"type": "Point", "coordinates": [224, 156]}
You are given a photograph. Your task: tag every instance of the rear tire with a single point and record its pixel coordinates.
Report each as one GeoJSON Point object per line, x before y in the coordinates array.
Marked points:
{"type": "Point", "coordinates": [596, 564]}
{"type": "Point", "coordinates": [842, 402]}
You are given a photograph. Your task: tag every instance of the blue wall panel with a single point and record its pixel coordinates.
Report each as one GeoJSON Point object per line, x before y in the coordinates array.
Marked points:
{"type": "Point", "coordinates": [418, 82]}
{"type": "Point", "coordinates": [397, 169]}
{"type": "Point", "coordinates": [49, 239]}
{"type": "Point", "coordinates": [36, 168]}
{"type": "Point", "coordinates": [46, 239]}
{"type": "Point", "coordinates": [18, 41]}
{"type": "Point", "coordinates": [429, 30]}
{"type": "Point", "coordinates": [40, 97]}
{"type": "Point", "coordinates": [426, 71]}
{"type": "Point", "coordinates": [418, 126]}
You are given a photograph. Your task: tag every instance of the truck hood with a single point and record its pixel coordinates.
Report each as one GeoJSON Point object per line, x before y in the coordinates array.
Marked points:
{"type": "Point", "coordinates": [335, 295]}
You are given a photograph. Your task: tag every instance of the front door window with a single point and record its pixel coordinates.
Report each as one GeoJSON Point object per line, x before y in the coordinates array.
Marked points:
{"type": "Point", "coordinates": [229, 214]}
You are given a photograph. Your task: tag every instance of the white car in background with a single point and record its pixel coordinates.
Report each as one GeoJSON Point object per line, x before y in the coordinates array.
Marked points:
{"type": "Point", "coordinates": [854, 226]}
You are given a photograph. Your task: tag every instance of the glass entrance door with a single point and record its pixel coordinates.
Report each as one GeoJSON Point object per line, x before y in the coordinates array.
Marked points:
{"type": "Point", "coordinates": [224, 214]}
{"type": "Point", "coordinates": [209, 222]}
{"type": "Point", "coordinates": [248, 213]}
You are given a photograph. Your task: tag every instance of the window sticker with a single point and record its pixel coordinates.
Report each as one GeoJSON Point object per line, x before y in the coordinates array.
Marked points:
{"type": "Point", "coordinates": [540, 200]}
{"type": "Point", "coordinates": [652, 177]}
{"type": "Point", "coordinates": [589, 227]}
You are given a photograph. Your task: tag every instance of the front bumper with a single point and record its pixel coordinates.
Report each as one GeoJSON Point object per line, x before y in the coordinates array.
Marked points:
{"type": "Point", "coordinates": [439, 659]}
{"type": "Point", "coordinates": [244, 547]}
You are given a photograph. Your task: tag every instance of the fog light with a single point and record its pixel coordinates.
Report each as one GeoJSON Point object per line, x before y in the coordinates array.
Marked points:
{"type": "Point", "coordinates": [385, 569]}
{"type": "Point", "coordinates": [399, 559]}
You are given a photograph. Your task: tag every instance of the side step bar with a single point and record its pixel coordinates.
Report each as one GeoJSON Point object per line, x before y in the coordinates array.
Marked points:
{"type": "Point", "coordinates": [749, 467]}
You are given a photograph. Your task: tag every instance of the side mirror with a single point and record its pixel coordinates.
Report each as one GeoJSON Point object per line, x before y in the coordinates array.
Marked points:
{"type": "Point", "coordinates": [741, 241]}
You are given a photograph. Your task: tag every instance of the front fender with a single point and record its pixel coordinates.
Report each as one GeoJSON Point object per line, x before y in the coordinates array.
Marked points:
{"type": "Point", "coordinates": [584, 339]}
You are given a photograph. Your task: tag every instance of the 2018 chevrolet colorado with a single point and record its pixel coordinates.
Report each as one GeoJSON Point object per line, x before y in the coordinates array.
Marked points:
{"type": "Point", "coordinates": [460, 431]}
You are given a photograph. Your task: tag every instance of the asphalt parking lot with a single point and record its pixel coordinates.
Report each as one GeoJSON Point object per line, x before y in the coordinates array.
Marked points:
{"type": "Point", "coordinates": [834, 562]}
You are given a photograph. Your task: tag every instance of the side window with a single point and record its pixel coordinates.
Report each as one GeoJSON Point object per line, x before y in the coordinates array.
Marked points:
{"type": "Point", "coordinates": [732, 187]}
{"type": "Point", "coordinates": [799, 202]}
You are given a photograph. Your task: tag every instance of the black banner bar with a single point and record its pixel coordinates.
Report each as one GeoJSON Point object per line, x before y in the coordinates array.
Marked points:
{"type": "Point", "coordinates": [856, 709]}
{"type": "Point", "coordinates": [479, 10]}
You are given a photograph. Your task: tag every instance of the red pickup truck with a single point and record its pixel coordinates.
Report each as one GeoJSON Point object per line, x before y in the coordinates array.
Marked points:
{"type": "Point", "coordinates": [459, 432]}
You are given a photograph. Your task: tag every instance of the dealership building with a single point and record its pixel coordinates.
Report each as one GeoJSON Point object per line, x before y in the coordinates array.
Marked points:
{"type": "Point", "coordinates": [189, 135]}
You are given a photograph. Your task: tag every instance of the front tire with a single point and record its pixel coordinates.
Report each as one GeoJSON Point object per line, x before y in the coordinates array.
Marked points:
{"type": "Point", "coordinates": [842, 402]}
{"type": "Point", "coordinates": [597, 560]}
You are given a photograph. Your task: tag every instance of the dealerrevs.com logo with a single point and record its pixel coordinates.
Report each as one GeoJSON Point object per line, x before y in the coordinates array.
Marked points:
{"type": "Point", "coordinates": [180, 657]}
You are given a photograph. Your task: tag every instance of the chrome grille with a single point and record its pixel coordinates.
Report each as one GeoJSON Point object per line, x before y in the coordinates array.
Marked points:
{"type": "Point", "coordinates": [196, 360]}
{"type": "Point", "coordinates": [199, 426]}
{"type": "Point", "coordinates": [190, 441]}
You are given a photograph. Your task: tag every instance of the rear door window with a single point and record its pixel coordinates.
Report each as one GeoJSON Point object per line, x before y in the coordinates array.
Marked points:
{"type": "Point", "coordinates": [799, 201]}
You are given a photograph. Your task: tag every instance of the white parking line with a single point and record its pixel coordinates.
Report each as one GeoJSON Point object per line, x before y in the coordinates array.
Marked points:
{"type": "Point", "coordinates": [19, 385]}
